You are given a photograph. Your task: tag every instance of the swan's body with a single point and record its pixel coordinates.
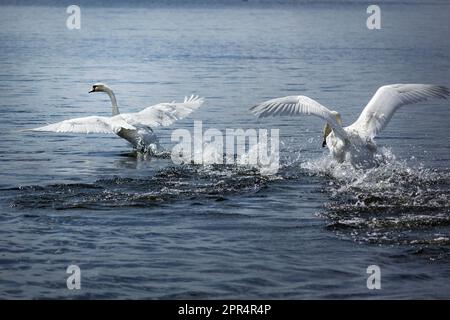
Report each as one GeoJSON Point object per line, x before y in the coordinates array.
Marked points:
{"type": "Point", "coordinates": [354, 143]}
{"type": "Point", "coordinates": [136, 128]}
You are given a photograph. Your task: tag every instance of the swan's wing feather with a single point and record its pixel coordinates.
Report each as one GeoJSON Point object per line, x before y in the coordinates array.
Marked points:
{"type": "Point", "coordinates": [93, 124]}
{"type": "Point", "coordinates": [165, 114]}
{"type": "Point", "coordinates": [380, 109]}
{"type": "Point", "coordinates": [297, 105]}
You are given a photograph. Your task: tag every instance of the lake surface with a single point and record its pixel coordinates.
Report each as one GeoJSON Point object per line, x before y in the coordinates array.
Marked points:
{"type": "Point", "coordinates": [146, 228]}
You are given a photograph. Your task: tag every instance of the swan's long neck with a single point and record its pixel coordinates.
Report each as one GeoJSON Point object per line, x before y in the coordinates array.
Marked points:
{"type": "Point", "coordinates": [115, 107]}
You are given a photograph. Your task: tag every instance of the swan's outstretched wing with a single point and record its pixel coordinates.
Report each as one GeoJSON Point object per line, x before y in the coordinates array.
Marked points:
{"type": "Point", "coordinates": [388, 99]}
{"type": "Point", "coordinates": [296, 105]}
{"type": "Point", "coordinates": [164, 114]}
{"type": "Point", "coordinates": [91, 124]}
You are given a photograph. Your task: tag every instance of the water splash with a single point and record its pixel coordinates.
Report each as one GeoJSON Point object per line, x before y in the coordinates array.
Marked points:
{"type": "Point", "coordinates": [256, 158]}
{"type": "Point", "coordinates": [204, 183]}
{"type": "Point", "coordinates": [395, 202]}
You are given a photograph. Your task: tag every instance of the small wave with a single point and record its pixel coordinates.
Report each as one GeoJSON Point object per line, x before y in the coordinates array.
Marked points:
{"type": "Point", "coordinates": [391, 203]}
{"type": "Point", "coordinates": [212, 182]}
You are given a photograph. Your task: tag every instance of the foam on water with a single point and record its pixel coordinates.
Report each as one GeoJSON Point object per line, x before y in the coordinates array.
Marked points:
{"type": "Point", "coordinates": [256, 157]}
{"type": "Point", "coordinates": [394, 202]}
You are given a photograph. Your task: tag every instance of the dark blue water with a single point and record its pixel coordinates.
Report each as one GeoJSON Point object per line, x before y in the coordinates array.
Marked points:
{"type": "Point", "coordinates": [146, 228]}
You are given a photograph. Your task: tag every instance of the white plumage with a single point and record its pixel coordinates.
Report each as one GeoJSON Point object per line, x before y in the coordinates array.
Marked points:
{"type": "Point", "coordinates": [133, 127]}
{"type": "Point", "coordinates": [355, 142]}
{"type": "Point", "coordinates": [92, 124]}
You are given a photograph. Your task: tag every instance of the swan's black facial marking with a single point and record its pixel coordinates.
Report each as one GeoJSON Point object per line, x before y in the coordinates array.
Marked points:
{"type": "Point", "coordinates": [94, 88]}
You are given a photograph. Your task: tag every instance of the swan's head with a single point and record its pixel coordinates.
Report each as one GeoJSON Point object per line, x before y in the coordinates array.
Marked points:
{"type": "Point", "coordinates": [327, 129]}
{"type": "Point", "coordinates": [99, 87]}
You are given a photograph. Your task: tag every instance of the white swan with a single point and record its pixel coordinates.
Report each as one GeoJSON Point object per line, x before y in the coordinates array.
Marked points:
{"type": "Point", "coordinates": [354, 143]}
{"type": "Point", "coordinates": [136, 128]}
